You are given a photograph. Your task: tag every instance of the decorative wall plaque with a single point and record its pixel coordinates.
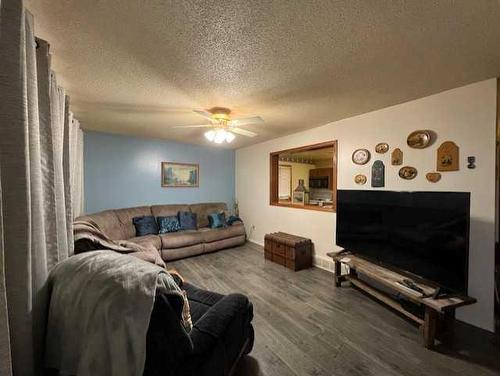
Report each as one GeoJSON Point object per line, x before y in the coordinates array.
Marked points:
{"type": "Point", "coordinates": [378, 174]}
{"type": "Point", "coordinates": [382, 148]}
{"type": "Point", "coordinates": [397, 157]}
{"type": "Point", "coordinates": [360, 179]}
{"type": "Point", "coordinates": [419, 139]}
{"type": "Point", "coordinates": [361, 156]}
{"type": "Point", "coordinates": [447, 157]}
{"type": "Point", "coordinates": [433, 177]}
{"type": "Point", "coordinates": [407, 172]}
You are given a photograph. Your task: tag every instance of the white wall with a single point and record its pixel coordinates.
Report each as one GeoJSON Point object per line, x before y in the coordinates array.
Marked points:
{"type": "Point", "coordinates": [466, 115]}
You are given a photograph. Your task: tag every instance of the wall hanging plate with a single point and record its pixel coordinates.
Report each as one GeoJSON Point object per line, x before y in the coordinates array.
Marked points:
{"type": "Point", "coordinates": [447, 157]}
{"type": "Point", "coordinates": [419, 139]}
{"type": "Point", "coordinates": [433, 177]}
{"type": "Point", "coordinates": [360, 179]}
{"type": "Point", "coordinates": [397, 157]}
{"type": "Point", "coordinates": [382, 148]}
{"type": "Point", "coordinates": [378, 174]}
{"type": "Point", "coordinates": [407, 172]}
{"type": "Point", "coordinates": [361, 156]}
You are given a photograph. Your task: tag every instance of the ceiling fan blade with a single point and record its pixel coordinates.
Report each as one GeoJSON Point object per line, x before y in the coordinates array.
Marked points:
{"type": "Point", "coordinates": [194, 126]}
{"type": "Point", "coordinates": [247, 120]}
{"type": "Point", "coordinates": [205, 114]}
{"type": "Point", "coordinates": [243, 132]}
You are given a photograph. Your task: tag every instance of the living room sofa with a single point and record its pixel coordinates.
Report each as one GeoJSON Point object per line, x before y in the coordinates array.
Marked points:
{"type": "Point", "coordinates": [117, 224]}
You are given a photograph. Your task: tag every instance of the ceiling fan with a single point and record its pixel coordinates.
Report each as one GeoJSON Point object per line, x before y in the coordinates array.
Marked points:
{"type": "Point", "coordinates": [223, 125]}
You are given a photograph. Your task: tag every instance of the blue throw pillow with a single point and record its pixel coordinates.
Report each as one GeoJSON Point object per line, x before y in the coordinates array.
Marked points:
{"type": "Point", "coordinates": [145, 225]}
{"type": "Point", "coordinates": [217, 220]}
{"type": "Point", "coordinates": [188, 220]}
{"type": "Point", "coordinates": [168, 224]}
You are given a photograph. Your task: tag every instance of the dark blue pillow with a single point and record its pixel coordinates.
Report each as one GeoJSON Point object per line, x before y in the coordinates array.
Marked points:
{"type": "Point", "coordinates": [168, 224]}
{"type": "Point", "coordinates": [188, 220]}
{"type": "Point", "coordinates": [217, 220]}
{"type": "Point", "coordinates": [145, 225]}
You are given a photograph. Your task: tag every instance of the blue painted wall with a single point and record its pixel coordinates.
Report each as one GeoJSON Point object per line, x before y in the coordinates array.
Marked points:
{"type": "Point", "coordinates": [123, 171]}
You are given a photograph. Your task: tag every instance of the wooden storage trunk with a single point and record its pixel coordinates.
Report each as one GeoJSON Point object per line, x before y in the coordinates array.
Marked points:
{"type": "Point", "coordinates": [294, 252]}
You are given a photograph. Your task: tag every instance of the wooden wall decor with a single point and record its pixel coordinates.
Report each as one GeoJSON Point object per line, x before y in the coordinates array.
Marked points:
{"type": "Point", "coordinates": [378, 174]}
{"type": "Point", "coordinates": [382, 147]}
{"type": "Point", "coordinates": [397, 157]}
{"type": "Point", "coordinates": [360, 179]}
{"type": "Point", "coordinates": [407, 172]}
{"type": "Point", "coordinates": [447, 157]}
{"type": "Point", "coordinates": [433, 177]}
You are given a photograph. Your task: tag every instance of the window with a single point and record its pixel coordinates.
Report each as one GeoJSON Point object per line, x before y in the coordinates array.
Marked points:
{"type": "Point", "coordinates": [285, 182]}
{"type": "Point", "coordinates": [305, 177]}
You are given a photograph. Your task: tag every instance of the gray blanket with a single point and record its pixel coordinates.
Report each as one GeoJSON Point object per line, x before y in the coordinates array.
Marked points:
{"type": "Point", "coordinates": [100, 306]}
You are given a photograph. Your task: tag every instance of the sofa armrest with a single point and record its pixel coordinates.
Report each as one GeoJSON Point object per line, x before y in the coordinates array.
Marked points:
{"type": "Point", "coordinates": [214, 325]}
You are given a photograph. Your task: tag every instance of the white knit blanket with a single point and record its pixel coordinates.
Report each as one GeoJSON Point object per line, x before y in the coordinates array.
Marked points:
{"type": "Point", "coordinates": [100, 307]}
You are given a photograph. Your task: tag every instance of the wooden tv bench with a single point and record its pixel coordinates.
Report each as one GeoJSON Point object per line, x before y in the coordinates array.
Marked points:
{"type": "Point", "coordinates": [439, 316]}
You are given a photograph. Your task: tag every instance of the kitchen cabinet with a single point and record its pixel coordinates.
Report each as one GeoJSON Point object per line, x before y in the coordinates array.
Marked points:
{"type": "Point", "coordinates": [318, 173]}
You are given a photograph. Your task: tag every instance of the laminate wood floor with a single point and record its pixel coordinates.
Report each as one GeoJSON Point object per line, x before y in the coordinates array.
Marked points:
{"type": "Point", "coordinates": [306, 326]}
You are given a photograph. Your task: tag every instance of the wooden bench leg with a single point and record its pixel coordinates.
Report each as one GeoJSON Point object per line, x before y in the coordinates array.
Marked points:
{"type": "Point", "coordinates": [429, 329]}
{"type": "Point", "coordinates": [339, 278]}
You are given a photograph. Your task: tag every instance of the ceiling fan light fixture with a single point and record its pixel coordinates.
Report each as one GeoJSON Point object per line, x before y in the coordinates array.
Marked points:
{"type": "Point", "coordinates": [210, 135]}
{"type": "Point", "coordinates": [229, 137]}
{"type": "Point", "coordinates": [220, 136]}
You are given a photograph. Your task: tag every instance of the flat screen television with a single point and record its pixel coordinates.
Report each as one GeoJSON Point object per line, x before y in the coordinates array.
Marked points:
{"type": "Point", "coordinates": [424, 234]}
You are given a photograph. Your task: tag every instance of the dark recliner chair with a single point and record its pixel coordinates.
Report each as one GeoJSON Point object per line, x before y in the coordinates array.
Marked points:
{"type": "Point", "coordinates": [222, 333]}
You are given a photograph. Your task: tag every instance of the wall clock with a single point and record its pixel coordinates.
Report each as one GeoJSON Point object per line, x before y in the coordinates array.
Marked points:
{"type": "Point", "coordinates": [360, 156]}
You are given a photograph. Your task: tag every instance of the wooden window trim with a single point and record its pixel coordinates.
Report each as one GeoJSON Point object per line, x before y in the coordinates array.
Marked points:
{"type": "Point", "coordinates": [274, 176]}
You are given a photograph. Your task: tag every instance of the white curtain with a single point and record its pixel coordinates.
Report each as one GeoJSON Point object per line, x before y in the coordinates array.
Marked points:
{"type": "Point", "coordinates": [40, 171]}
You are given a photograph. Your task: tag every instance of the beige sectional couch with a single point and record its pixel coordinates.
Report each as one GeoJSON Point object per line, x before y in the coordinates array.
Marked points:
{"type": "Point", "coordinates": [117, 224]}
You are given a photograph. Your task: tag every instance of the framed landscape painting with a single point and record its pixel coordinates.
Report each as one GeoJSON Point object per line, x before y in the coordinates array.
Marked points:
{"type": "Point", "coordinates": [179, 175]}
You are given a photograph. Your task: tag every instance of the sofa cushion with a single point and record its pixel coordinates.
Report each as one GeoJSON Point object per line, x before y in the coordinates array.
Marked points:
{"type": "Point", "coordinates": [181, 239]}
{"type": "Point", "coordinates": [203, 210]}
{"type": "Point", "coordinates": [212, 235]}
{"type": "Point", "coordinates": [108, 222]}
{"type": "Point", "coordinates": [217, 220]}
{"type": "Point", "coordinates": [168, 224]}
{"type": "Point", "coordinates": [125, 216]}
{"type": "Point", "coordinates": [168, 210]}
{"type": "Point", "coordinates": [188, 220]}
{"type": "Point", "coordinates": [145, 225]}
{"type": "Point", "coordinates": [153, 240]}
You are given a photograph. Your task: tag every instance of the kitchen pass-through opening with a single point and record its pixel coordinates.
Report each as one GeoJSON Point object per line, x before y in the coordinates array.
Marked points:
{"type": "Point", "coordinates": [305, 177]}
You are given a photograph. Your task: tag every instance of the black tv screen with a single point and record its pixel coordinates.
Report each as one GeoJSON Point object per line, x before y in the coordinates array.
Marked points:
{"type": "Point", "coordinates": [422, 233]}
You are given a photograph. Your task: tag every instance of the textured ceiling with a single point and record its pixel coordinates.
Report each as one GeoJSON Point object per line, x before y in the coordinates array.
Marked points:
{"type": "Point", "coordinates": [139, 67]}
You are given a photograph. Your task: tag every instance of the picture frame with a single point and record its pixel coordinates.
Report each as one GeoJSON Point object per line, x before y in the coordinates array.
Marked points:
{"type": "Point", "coordinates": [180, 175]}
